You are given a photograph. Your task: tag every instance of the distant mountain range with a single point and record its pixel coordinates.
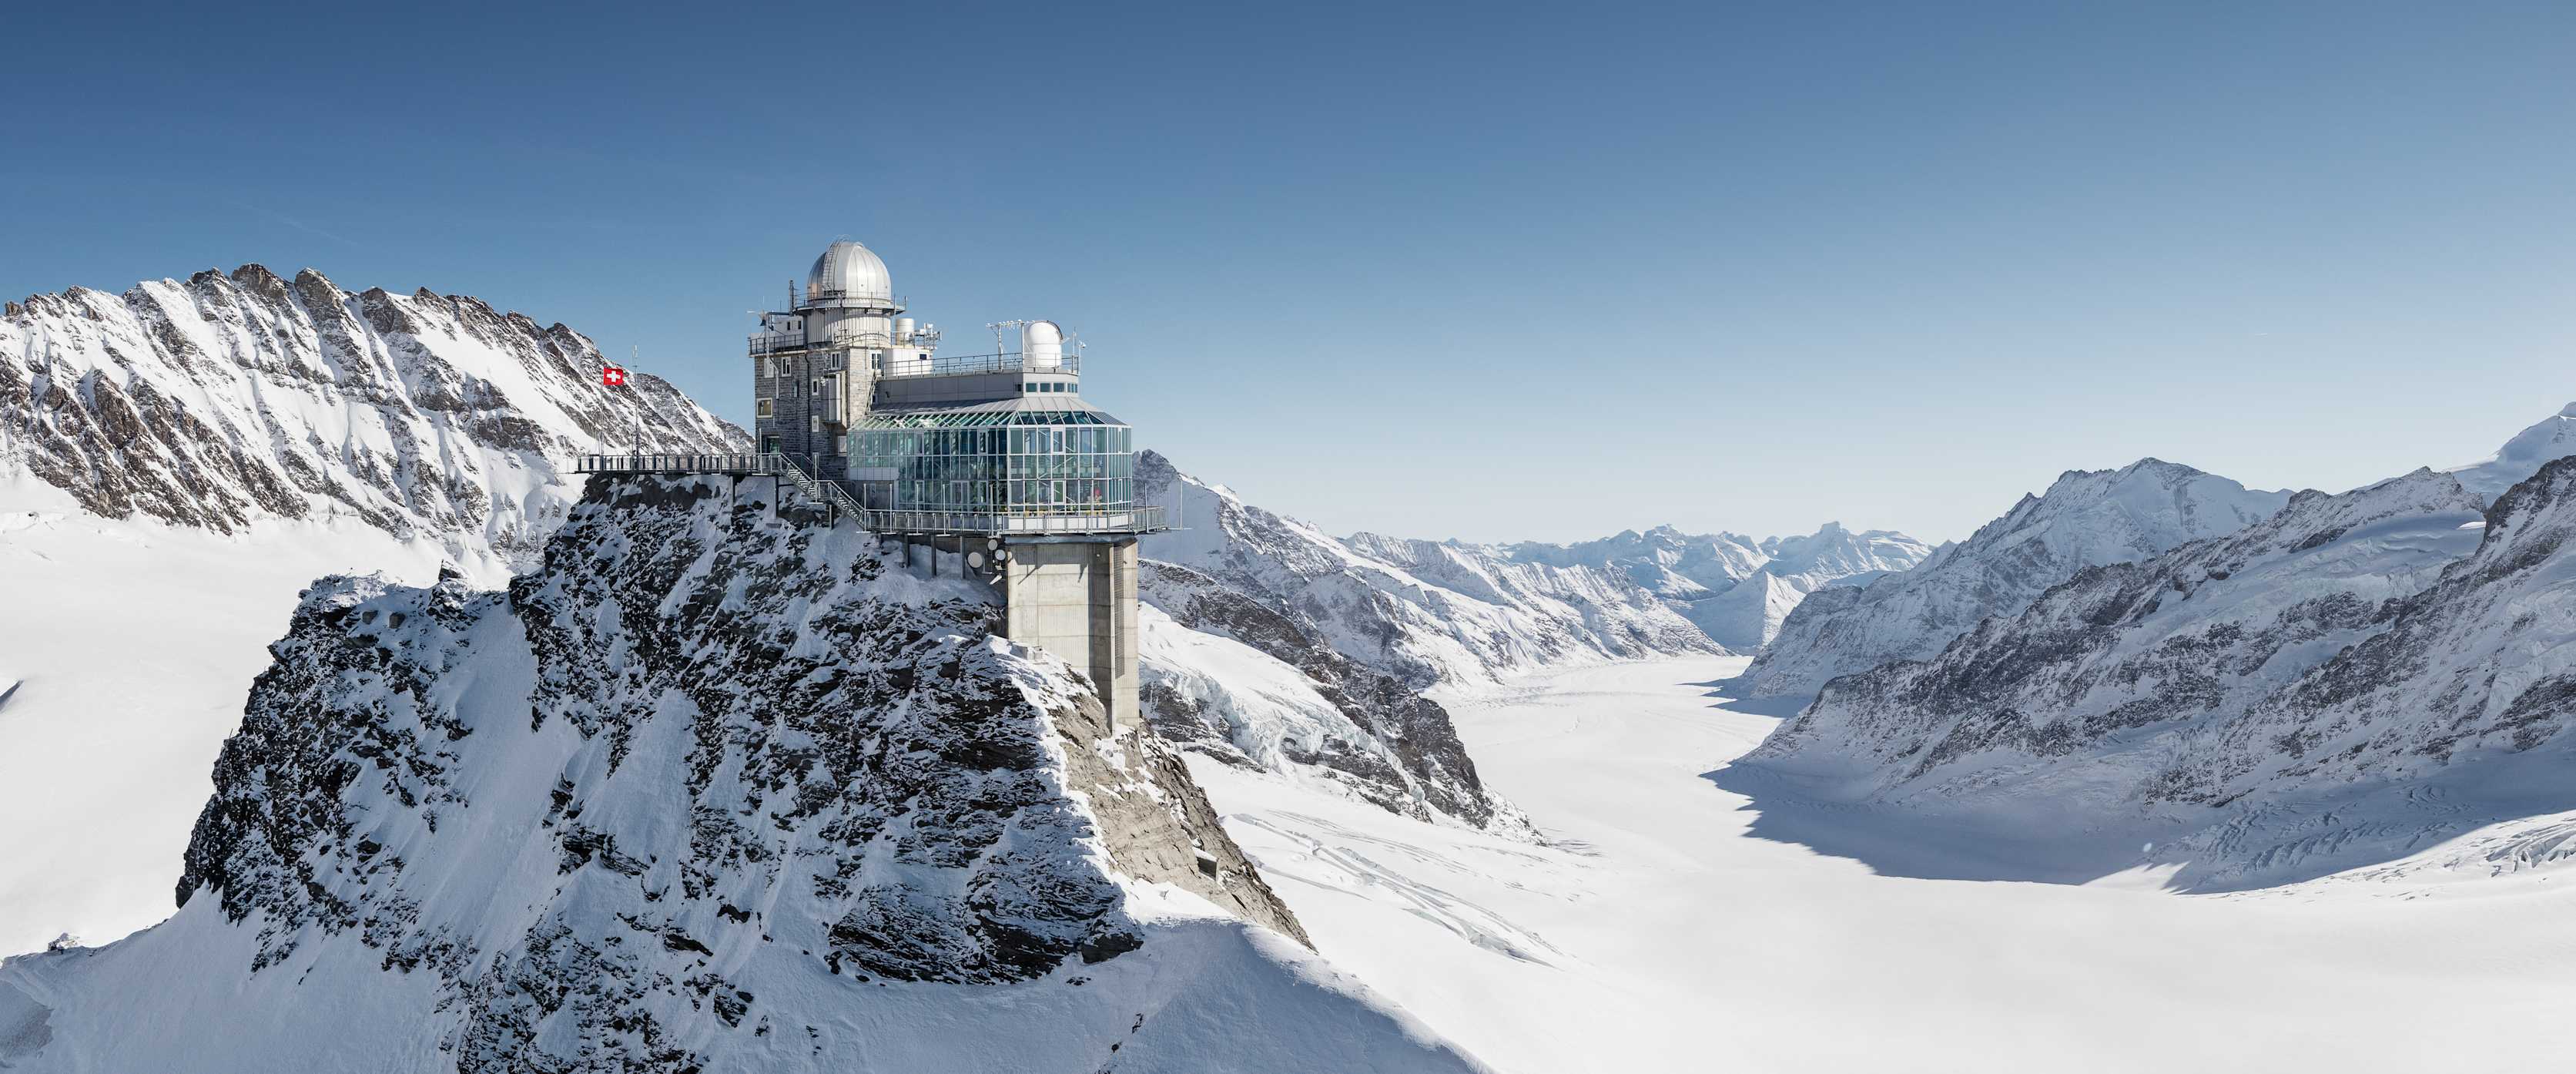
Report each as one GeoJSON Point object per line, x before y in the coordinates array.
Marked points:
{"type": "Point", "coordinates": [1736, 589]}
{"type": "Point", "coordinates": [2353, 677]}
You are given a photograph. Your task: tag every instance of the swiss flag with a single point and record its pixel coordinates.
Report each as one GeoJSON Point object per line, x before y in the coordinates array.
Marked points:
{"type": "Point", "coordinates": [612, 376]}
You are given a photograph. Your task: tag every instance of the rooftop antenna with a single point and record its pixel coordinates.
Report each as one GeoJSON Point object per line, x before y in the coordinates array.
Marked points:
{"type": "Point", "coordinates": [998, 346]}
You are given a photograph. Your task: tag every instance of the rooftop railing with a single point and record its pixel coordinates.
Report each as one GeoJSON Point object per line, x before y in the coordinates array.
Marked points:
{"type": "Point", "coordinates": [969, 364]}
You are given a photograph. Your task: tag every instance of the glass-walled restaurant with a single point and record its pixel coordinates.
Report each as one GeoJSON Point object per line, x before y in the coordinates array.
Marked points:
{"type": "Point", "coordinates": [1058, 468]}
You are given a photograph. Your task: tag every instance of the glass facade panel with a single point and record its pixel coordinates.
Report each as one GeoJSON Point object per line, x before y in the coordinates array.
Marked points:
{"type": "Point", "coordinates": [1011, 463]}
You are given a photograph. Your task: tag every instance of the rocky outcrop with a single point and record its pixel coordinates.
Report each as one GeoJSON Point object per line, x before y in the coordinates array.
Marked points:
{"type": "Point", "coordinates": [224, 400]}
{"type": "Point", "coordinates": [2086, 519]}
{"type": "Point", "coordinates": [716, 787]}
{"type": "Point", "coordinates": [1315, 713]}
{"type": "Point", "coordinates": [1427, 613]}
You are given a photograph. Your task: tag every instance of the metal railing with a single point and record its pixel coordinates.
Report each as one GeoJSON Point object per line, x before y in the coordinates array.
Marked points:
{"type": "Point", "coordinates": [966, 364]}
{"type": "Point", "coordinates": [1139, 519]}
{"type": "Point", "coordinates": [836, 500]}
{"type": "Point", "coordinates": [782, 342]}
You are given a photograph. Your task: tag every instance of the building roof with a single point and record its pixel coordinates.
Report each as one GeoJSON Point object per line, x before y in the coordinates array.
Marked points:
{"type": "Point", "coordinates": [849, 270]}
{"type": "Point", "coordinates": [1025, 410]}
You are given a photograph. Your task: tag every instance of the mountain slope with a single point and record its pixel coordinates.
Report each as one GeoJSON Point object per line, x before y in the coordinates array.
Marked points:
{"type": "Point", "coordinates": [1231, 678]}
{"type": "Point", "coordinates": [2086, 519]}
{"type": "Point", "coordinates": [1425, 612]}
{"type": "Point", "coordinates": [716, 788]}
{"type": "Point", "coordinates": [2552, 438]}
{"type": "Point", "coordinates": [224, 401]}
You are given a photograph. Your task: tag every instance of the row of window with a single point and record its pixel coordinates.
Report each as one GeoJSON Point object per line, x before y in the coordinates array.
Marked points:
{"type": "Point", "coordinates": [985, 467]}
{"type": "Point", "coordinates": [1021, 497]}
{"type": "Point", "coordinates": [1004, 440]}
{"type": "Point", "coordinates": [1044, 387]}
{"type": "Point", "coordinates": [1003, 469]}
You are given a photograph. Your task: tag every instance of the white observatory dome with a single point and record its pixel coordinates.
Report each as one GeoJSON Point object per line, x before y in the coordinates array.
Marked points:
{"type": "Point", "coordinates": [849, 270]}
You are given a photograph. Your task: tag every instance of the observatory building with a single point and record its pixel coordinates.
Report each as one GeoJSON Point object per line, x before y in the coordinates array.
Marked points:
{"type": "Point", "coordinates": [994, 458]}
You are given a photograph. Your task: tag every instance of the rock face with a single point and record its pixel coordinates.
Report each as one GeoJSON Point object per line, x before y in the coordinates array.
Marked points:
{"type": "Point", "coordinates": [1737, 589]}
{"type": "Point", "coordinates": [716, 787]}
{"type": "Point", "coordinates": [2331, 687]}
{"type": "Point", "coordinates": [220, 401]}
{"type": "Point", "coordinates": [1239, 681]}
{"type": "Point", "coordinates": [1427, 613]}
{"type": "Point", "coordinates": [2086, 519]}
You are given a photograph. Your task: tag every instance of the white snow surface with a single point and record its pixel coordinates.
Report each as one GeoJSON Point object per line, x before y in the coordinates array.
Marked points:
{"type": "Point", "coordinates": [2529, 450]}
{"type": "Point", "coordinates": [2085, 519]}
{"type": "Point", "coordinates": [1656, 932]}
{"type": "Point", "coordinates": [1274, 718]}
{"type": "Point", "coordinates": [1426, 612]}
{"type": "Point", "coordinates": [1735, 588]}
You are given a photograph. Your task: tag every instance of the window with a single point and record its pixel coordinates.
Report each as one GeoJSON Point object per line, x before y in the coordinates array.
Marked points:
{"type": "Point", "coordinates": [767, 408]}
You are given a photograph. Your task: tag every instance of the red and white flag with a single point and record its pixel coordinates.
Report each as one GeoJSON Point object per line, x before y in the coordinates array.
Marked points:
{"type": "Point", "coordinates": [612, 376]}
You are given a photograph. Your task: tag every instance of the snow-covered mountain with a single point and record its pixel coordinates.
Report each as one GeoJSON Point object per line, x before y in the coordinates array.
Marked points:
{"type": "Point", "coordinates": [1735, 588]}
{"type": "Point", "coordinates": [717, 787]}
{"type": "Point", "coordinates": [177, 462]}
{"type": "Point", "coordinates": [224, 401]}
{"type": "Point", "coordinates": [2086, 519]}
{"type": "Point", "coordinates": [1238, 680]}
{"type": "Point", "coordinates": [2331, 687]}
{"type": "Point", "coordinates": [1425, 612]}
{"type": "Point", "coordinates": [2553, 438]}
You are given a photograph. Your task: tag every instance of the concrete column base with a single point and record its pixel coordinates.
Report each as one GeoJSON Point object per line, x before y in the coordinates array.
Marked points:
{"type": "Point", "coordinates": [1077, 599]}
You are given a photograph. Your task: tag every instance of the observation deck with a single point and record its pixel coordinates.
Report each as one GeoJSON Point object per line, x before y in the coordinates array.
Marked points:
{"type": "Point", "coordinates": [1016, 520]}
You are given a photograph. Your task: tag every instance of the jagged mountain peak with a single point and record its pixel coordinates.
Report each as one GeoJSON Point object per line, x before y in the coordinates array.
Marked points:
{"type": "Point", "coordinates": [2087, 518]}
{"type": "Point", "coordinates": [1736, 589]}
{"type": "Point", "coordinates": [233, 400]}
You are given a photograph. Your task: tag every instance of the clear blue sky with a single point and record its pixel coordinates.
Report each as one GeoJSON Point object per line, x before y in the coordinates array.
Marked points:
{"type": "Point", "coordinates": [1491, 273]}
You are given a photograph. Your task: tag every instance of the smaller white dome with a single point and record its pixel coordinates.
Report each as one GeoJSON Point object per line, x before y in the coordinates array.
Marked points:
{"type": "Point", "coordinates": [849, 270]}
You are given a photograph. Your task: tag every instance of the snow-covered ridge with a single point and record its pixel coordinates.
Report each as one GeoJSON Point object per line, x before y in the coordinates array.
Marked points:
{"type": "Point", "coordinates": [223, 400]}
{"type": "Point", "coordinates": [1236, 680]}
{"type": "Point", "coordinates": [2554, 437]}
{"type": "Point", "coordinates": [1736, 588]}
{"type": "Point", "coordinates": [2086, 519]}
{"type": "Point", "coordinates": [717, 787]}
{"type": "Point", "coordinates": [1425, 612]}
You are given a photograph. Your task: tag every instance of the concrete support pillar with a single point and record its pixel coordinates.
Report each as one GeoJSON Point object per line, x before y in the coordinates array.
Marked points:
{"type": "Point", "coordinates": [1077, 599]}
